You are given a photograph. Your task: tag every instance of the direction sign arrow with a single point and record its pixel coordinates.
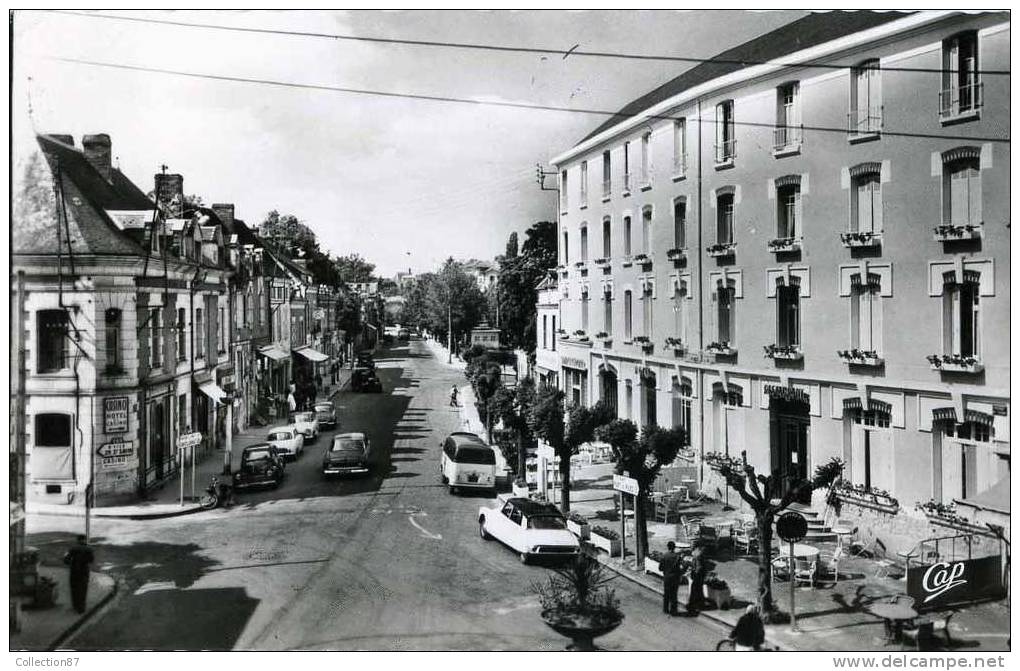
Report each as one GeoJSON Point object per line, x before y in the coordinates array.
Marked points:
{"type": "Point", "coordinates": [189, 440]}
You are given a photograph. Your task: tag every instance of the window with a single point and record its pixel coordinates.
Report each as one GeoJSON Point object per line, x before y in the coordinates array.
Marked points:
{"type": "Point", "coordinates": [51, 456]}
{"type": "Point", "coordinates": [648, 414]}
{"type": "Point", "coordinates": [788, 211]}
{"type": "Point", "coordinates": [114, 360]}
{"type": "Point", "coordinates": [554, 336]}
{"type": "Point", "coordinates": [961, 192]}
{"type": "Point", "coordinates": [563, 191]}
{"type": "Point", "coordinates": [626, 236]}
{"type": "Point", "coordinates": [865, 315]}
{"type": "Point", "coordinates": [566, 248]}
{"type": "Point", "coordinates": [199, 333]}
{"type": "Point", "coordinates": [52, 339]}
{"type": "Point", "coordinates": [646, 231]}
{"type": "Point", "coordinates": [680, 311]}
{"type": "Point", "coordinates": [626, 167]}
{"type": "Point", "coordinates": [584, 309]}
{"type": "Point", "coordinates": [961, 91]}
{"type": "Point", "coordinates": [724, 219]}
{"type": "Point", "coordinates": [607, 312]}
{"type": "Point", "coordinates": [607, 238]}
{"type": "Point", "coordinates": [680, 223]}
{"type": "Point", "coordinates": [182, 335]}
{"type": "Point", "coordinates": [155, 343]}
{"type": "Point", "coordinates": [725, 144]}
{"type": "Point", "coordinates": [545, 331]}
{"type": "Point", "coordinates": [646, 159]}
{"type": "Point", "coordinates": [976, 431]}
{"type": "Point", "coordinates": [584, 243]}
{"type": "Point", "coordinates": [628, 316]}
{"type": "Point", "coordinates": [788, 315]}
{"type": "Point", "coordinates": [607, 174]}
{"type": "Point", "coordinates": [584, 183]}
{"type": "Point", "coordinates": [788, 130]}
{"type": "Point", "coordinates": [682, 393]}
{"type": "Point", "coordinates": [961, 315]}
{"type": "Point", "coordinates": [646, 311]}
{"type": "Point", "coordinates": [680, 147]}
{"type": "Point", "coordinates": [725, 297]}
{"type": "Point", "coordinates": [865, 99]}
{"type": "Point", "coordinates": [866, 203]}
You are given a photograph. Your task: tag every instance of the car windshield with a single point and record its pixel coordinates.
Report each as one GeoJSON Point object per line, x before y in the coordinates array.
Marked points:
{"type": "Point", "coordinates": [347, 445]}
{"type": "Point", "coordinates": [257, 455]}
{"type": "Point", "coordinates": [546, 522]}
{"type": "Point", "coordinates": [280, 435]}
{"type": "Point", "coordinates": [475, 455]}
{"type": "Point", "coordinates": [324, 407]}
{"type": "Point", "coordinates": [304, 417]}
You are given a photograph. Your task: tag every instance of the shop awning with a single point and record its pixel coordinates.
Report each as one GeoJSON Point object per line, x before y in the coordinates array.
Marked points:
{"type": "Point", "coordinates": [273, 352]}
{"type": "Point", "coordinates": [312, 355]}
{"type": "Point", "coordinates": [213, 391]}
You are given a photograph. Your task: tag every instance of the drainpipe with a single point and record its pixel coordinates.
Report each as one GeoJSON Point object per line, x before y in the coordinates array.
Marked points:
{"type": "Point", "coordinates": [701, 308]}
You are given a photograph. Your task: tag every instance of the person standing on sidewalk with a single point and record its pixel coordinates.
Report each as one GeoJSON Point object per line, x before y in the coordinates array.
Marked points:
{"type": "Point", "coordinates": [671, 572]}
{"type": "Point", "coordinates": [78, 558]}
{"type": "Point", "coordinates": [698, 570]}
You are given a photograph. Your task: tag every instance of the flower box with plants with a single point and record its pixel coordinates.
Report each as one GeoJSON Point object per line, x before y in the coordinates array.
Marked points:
{"type": "Point", "coordinates": [561, 268]}
{"type": "Point", "coordinates": [955, 363]}
{"type": "Point", "coordinates": [676, 254]}
{"type": "Point", "coordinates": [860, 357]}
{"type": "Point", "coordinates": [946, 515]}
{"type": "Point", "coordinates": [627, 262]}
{"type": "Point", "coordinates": [866, 497]}
{"type": "Point", "coordinates": [860, 239]}
{"type": "Point", "coordinates": [579, 264]}
{"type": "Point", "coordinates": [521, 488]}
{"type": "Point", "coordinates": [577, 524]}
{"type": "Point", "coordinates": [954, 232]}
{"type": "Point", "coordinates": [602, 262]}
{"type": "Point", "coordinates": [604, 339]}
{"type": "Point", "coordinates": [642, 259]}
{"type": "Point", "coordinates": [720, 348]}
{"type": "Point", "coordinates": [652, 563]}
{"type": "Point", "coordinates": [718, 591]}
{"type": "Point", "coordinates": [784, 245]}
{"type": "Point", "coordinates": [786, 352]}
{"type": "Point", "coordinates": [581, 336]}
{"type": "Point", "coordinates": [577, 604]}
{"type": "Point", "coordinates": [722, 249]}
{"type": "Point", "coordinates": [605, 539]}
{"type": "Point", "coordinates": [676, 345]}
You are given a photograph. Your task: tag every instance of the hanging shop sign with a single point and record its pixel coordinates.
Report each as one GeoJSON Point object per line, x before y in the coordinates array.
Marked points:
{"type": "Point", "coordinates": [943, 583]}
{"type": "Point", "coordinates": [115, 414]}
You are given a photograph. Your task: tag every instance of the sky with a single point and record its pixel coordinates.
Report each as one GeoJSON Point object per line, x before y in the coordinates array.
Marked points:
{"type": "Point", "coordinates": [404, 183]}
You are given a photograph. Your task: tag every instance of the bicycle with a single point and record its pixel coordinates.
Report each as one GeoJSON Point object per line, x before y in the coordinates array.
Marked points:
{"type": "Point", "coordinates": [726, 645]}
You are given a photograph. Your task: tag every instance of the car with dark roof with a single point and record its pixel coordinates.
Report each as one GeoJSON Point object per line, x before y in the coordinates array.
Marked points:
{"type": "Point", "coordinates": [261, 464]}
{"type": "Point", "coordinates": [348, 453]}
{"type": "Point", "coordinates": [325, 413]}
{"type": "Point", "coordinates": [530, 528]}
{"type": "Point", "coordinates": [467, 463]}
{"type": "Point", "coordinates": [365, 379]}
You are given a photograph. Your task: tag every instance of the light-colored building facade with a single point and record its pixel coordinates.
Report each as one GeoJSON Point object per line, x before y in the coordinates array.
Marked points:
{"type": "Point", "coordinates": [806, 262]}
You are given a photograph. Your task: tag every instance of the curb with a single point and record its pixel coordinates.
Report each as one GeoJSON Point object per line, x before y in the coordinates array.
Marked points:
{"type": "Point", "coordinates": [78, 512]}
{"type": "Point", "coordinates": [86, 616]}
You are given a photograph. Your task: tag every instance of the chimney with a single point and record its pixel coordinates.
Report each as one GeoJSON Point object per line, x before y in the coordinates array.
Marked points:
{"type": "Point", "coordinates": [97, 152]}
{"type": "Point", "coordinates": [225, 211]}
{"type": "Point", "coordinates": [170, 195]}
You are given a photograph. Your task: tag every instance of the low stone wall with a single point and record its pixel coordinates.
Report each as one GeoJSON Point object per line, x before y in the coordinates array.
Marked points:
{"type": "Point", "coordinates": [902, 530]}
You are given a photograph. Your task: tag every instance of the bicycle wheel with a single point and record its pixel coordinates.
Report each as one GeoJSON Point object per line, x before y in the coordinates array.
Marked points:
{"type": "Point", "coordinates": [726, 645]}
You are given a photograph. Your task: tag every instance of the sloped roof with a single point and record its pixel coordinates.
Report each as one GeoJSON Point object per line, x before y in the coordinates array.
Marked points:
{"type": "Point", "coordinates": [812, 30]}
{"type": "Point", "coordinates": [86, 197]}
{"type": "Point", "coordinates": [994, 498]}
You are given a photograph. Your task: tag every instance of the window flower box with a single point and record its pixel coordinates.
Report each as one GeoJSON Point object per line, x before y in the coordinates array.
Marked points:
{"type": "Point", "coordinates": [676, 254]}
{"type": "Point", "coordinates": [581, 336]}
{"type": "Point", "coordinates": [605, 539]}
{"type": "Point", "coordinates": [722, 249]}
{"type": "Point", "coordinates": [602, 262]}
{"type": "Point", "coordinates": [720, 348]}
{"type": "Point", "coordinates": [785, 352]}
{"type": "Point", "coordinates": [604, 339]}
{"type": "Point", "coordinates": [676, 345]}
{"type": "Point", "coordinates": [579, 264]}
{"type": "Point", "coordinates": [955, 363]}
{"type": "Point", "coordinates": [946, 515]}
{"type": "Point", "coordinates": [627, 262]}
{"type": "Point", "coordinates": [777, 245]}
{"type": "Point", "coordinates": [643, 259]}
{"type": "Point", "coordinates": [955, 232]}
{"type": "Point", "coordinates": [858, 357]}
{"type": "Point", "coordinates": [860, 239]}
{"type": "Point", "coordinates": [644, 342]}
{"type": "Point", "coordinates": [861, 496]}
{"type": "Point", "coordinates": [578, 525]}
{"type": "Point", "coordinates": [561, 268]}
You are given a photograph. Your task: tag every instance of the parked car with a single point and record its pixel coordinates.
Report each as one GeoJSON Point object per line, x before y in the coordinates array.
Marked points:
{"type": "Point", "coordinates": [467, 463]}
{"type": "Point", "coordinates": [403, 334]}
{"type": "Point", "coordinates": [348, 453]}
{"type": "Point", "coordinates": [306, 424]}
{"type": "Point", "coordinates": [261, 464]}
{"type": "Point", "coordinates": [288, 441]}
{"type": "Point", "coordinates": [364, 379]}
{"type": "Point", "coordinates": [325, 413]}
{"type": "Point", "coordinates": [530, 528]}
{"type": "Point", "coordinates": [364, 360]}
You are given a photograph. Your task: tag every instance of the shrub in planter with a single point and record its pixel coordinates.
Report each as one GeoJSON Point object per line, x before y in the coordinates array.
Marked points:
{"type": "Point", "coordinates": [605, 539]}
{"type": "Point", "coordinates": [718, 591]}
{"type": "Point", "coordinates": [577, 603]}
{"type": "Point", "coordinates": [577, 524]}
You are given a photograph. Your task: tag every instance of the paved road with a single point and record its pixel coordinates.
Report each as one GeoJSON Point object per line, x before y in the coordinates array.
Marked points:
{"type": "Point", "coordinates": [390, 562]}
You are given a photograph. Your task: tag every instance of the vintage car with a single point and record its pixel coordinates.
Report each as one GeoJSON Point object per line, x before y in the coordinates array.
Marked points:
{"type": "Point", "coordinates": [288, 441]}
{"type": "Point", "coordinates": [530, 528]}
{"type": "Point", "coordinates": [364, 360]}
{"type": "Point", "coordinates": [261, 464]}
{"type": "Point", "coordinates": [325, 413]}
{"type": "Point", "coordinates": [403, 334]}
{"type": "Point", "coordinates": [307, 424]}
{"type": "Point", "coordinates": [364, 379]}
{"type": "Point", "coordinates": [349, 453]}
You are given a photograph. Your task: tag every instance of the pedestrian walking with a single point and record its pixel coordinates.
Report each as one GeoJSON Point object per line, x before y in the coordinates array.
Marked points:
{"type": "Point", "coordinates": [699, 568]}
{"type": "Point", "coordinates": [749, 632]}
{"type": "Point", "coordinates": [672, 570]}
{"type": "Point", "coordinates": [78, 558]}
{"type": "Point", "coordinates": [453, 396]}
{"type": "Point", "coordinates": [292, 402]}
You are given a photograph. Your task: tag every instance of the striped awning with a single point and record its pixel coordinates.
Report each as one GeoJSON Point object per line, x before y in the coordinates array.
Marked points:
{"type": "Point", "coordinates": [977, 417]}
{"type": "Point", "coordinates": [943, 415]}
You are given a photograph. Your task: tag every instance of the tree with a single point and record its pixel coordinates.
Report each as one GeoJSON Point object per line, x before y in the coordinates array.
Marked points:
{"type": "Point", "coordinates": [453, 299]}
{"type": "Point", "coordinates": [286, 233]}
{"type": "Point", "coordinates": [759, 492]}
{"type": "Point", "coordinates": [519, 274]}
{"type": "Point", "coordinates": [353, 268]}
{"type": "Point", "coordinates": [511, 246]}
{"type": "Point", "coordinates": [641, 458]}
{"type": "Point", "coordinates": [513, 405]}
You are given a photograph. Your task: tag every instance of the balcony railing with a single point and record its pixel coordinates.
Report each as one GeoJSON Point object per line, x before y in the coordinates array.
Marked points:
{"type": "Point", "coordinates": [956, 232]}
{"type": "Point", "coordinates": [864, 123]}
{"type": "Point", "coordinates": [725, 152]}
{"type": "Point", "coordinates": [860, 239]}
{"type": "Point", "coordinates": [960, 101]}
{"type": "Point", "coordinates": [607, 188]}
{"type": "Point", "coordinates": [787, 138]}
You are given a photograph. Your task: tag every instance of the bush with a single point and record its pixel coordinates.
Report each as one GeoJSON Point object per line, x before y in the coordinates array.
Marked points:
{"type": "Point", "coordinates": [605, 532]}
{"type": "Point", "coordinates": [577, 518]}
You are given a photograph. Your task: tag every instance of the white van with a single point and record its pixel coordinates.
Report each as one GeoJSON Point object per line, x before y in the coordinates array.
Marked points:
{"type": "Point", "coordinates": [467, 463]}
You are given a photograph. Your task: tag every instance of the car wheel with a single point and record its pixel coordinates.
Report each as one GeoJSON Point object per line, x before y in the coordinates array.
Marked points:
{"type": "Point", "coordinates": [486, 536]}
{"type": "Point", "coordinates": [524, 557]}
{"type": "Point", "coordinates": [453, 490]}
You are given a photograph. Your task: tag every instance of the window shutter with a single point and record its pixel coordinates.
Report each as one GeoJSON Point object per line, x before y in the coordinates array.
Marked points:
{"type": "Point", "coordinates": [974, 195]}
{"type": "Point", "coordinates": [719, 121]}
{"type": "Point", "coordinates": [958, 194]}
{"type": "Point", "coordinates": [876, 320]}
{"type": "Point", "coordinates": [876, 204]}
{"type": "Point", "coordinates": [855, 319]}
{"type": "Point", "coordinates": [798, 215]}
{"type": "Point", "coordinates": [948, 295]}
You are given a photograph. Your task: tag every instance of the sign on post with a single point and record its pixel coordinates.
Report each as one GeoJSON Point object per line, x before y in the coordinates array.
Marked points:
{"type": "Point", "coordinates": [622, 483]}
{"type": "Point", "coordinates": [792, 527]}
{"type": "Point", "coordinates": [188, 440]}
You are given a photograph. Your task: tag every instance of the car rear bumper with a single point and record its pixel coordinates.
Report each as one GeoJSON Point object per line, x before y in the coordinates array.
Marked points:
{"type": "Point", "coordinates": [344, 470]}
{"type": "Point", "coordinates": [473, 485]}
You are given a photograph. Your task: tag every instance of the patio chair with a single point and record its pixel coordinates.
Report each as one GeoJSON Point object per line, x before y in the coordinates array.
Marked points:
{"type": "Point", "coordinates": [780, 568]}
{"type": "Point", "coordinates": [665, 508]}
{"type": "Point", "coordinates": [830, 563]}
{"type": "Point", "coordinates": [688, 527]}
{"type": "Point", "coordinates": [804, 571]}
{"type": "Point", "coordinates": [708, 537]}
{"type": "Point", "coordinates": [744, 540]}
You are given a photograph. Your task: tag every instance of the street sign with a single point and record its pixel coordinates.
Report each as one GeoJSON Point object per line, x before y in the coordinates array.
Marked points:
{"type": "Point", "coordinates": [115, 449]}
{"type": "Point", "coordinates": [189, 440]}
{"type": "Point", "coordinates": [115, 414]}
{"type": "Point", "coordinates": [622, 483]}
{"type": "Point", "coordinates": [791, 527]}
{"type": "Point", "coordinates": [546, 452]}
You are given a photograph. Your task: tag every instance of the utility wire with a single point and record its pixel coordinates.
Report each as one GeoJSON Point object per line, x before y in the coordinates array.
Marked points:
{"type": "Point", "coordinates": [492, 47]}
{"type": "Point", "coordinates": [486, 103]}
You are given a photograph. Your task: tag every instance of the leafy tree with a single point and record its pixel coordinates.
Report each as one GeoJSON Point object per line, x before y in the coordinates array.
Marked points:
{"type": "Point", "coordinates": [519, 274]}
{"type": "Point", "coordinates": [353, 268]}
{"type": "Point", "coordinates": [513, 405]}
{"type": "Point", "coordinates": [641, 457]}
{"type": "Point", "coordinates": [759, 491]}
{"type": "Point", "coordinates": [454, 297]}
{"type": "Point", "coordinates": [512, 246]}
{"type": "Point", "coordinates": [286, 233]}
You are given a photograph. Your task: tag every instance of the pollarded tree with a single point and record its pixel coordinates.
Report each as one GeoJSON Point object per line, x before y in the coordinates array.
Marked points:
{"type": "Point", "coordinates": [513, 405]}
{"type": "Point", "coordinates": [762, 494]}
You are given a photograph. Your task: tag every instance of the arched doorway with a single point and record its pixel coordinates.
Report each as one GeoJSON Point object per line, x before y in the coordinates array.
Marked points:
{"type": "Point", "coordinates": [609, 389]}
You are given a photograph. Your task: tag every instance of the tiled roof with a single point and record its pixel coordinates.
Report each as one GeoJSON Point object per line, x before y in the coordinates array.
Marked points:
{"type": "Point", "coordinates": [812, 30]}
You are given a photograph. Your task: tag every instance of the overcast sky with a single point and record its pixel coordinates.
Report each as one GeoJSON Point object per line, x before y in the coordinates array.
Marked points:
{"type": "Point", "coordinates": [404, 183]}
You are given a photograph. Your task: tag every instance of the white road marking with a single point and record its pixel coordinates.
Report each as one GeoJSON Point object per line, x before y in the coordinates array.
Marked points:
{"type": "Point", "coordinates": [155, 587]}
{"type": "Point", "coordinates": [425, 532]}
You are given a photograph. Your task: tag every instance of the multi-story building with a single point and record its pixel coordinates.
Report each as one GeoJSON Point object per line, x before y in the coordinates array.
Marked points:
{"type": "Point", "coordinates": [547, 362]}
{"type": "Point", "coordinates": [800, 249]}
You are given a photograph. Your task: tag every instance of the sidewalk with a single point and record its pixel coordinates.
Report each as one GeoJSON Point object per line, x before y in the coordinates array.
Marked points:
{"type": "Point", "coordinates": [831, 617]}
{"type": "Point", "coordinates": [48, 629]}
{"type": "Point", "coordinates": [441, 354]}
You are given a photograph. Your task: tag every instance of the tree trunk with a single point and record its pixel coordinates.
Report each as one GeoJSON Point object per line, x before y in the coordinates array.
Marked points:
{"type": "Point", "coordinates": [522, 458]}
{"type": "Point", "coordinates": [640, 526]}
{"type": "Point", "coordinates": [765, 603]}
{"type": "Point", "coordinates": [565, 482]}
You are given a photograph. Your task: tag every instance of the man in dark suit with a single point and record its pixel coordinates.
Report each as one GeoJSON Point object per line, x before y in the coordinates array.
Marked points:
{"type": "Point", "coordinates": [672, 570]}
{"type": "Point", "coordinates": [699, 567]}
{"type": "Point", "coordinates": [78, 558]}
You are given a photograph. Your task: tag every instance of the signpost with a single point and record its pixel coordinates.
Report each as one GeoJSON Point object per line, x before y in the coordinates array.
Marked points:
{"type": "Point", "coordinates": [626, 485]}
{"type": "Point", "coordinates": [186, 443]}
{"type": "Point", "coordinates": [792, 527]}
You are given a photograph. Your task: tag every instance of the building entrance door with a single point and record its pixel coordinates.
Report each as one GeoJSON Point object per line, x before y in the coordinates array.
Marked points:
{"type": "Point", "coordinates": [790, 429]}
{"type": "Point", "coordinates": [159, 444]}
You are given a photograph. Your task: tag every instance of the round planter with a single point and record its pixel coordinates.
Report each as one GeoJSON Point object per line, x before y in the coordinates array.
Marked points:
{"type": "Point", "coordinates": [580, 629]}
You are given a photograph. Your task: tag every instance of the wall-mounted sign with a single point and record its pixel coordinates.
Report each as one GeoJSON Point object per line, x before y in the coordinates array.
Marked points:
{"type": "Point", "coordinates": [115, 454]}
{"type": "Point", "coordinates": [944, 583]}
{"type": "Point", "coordinates": [115, 414]}
{"type": "Point", "coordinates": [570, 362]}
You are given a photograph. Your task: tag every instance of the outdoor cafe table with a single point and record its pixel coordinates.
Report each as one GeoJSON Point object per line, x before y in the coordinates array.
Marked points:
{"type": "Point", "coordinates": [895, 615]}
{"type": "Point", "coordinates": [800, 551]}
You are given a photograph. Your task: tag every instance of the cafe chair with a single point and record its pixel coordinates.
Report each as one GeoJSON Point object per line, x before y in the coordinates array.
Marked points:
{"type": "Point", "coordinates": [804, 571]}
{"type": "Point", "coordinates": [830, 564]}
{"type": "Point", "coordinates": [688, 527]}
{"type": "Point", "coordinates": [709, 537]}
{"type": "Point", "coordinates": [745, 540]}
{"type": "Point", "coordinates": [780, 568]}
